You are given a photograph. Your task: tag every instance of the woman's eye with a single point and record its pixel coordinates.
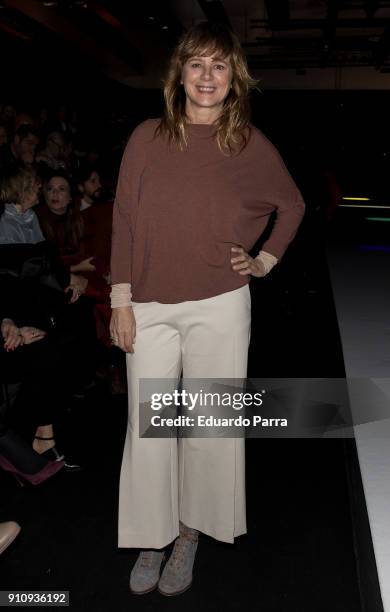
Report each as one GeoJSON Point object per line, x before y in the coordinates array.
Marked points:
{"type": "Point", "coordinates": [220, 66]}
{"type": "Point", "coordinates": [195, 65]}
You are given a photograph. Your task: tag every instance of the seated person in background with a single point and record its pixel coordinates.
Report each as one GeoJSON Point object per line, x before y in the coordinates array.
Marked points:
{"type": "Point", "coordinates": [97, 215]}
{"type": "Point", "coordinates": [22, 147]}
{"type": "Point", "coordinates": [19, 193]}
{"type": "Point", "coordinates": [33, 357]}
{"type": "Point", "coordinates": [25, 254]}
{"type": "Point", "coordinates": [97, 220]}
{"type": "Point", "coordinates": [63, 224]}
{"type": "Point", "coordinates": [24, 119]}
{"type": "Point", "coordinates": [53, 155]}
{"type": "Point", "coordinates": [65, 120]}
{"type": "Point", "coordinates": [89, 185]}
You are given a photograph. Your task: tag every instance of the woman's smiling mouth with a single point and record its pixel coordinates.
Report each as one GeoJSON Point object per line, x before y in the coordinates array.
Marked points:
{"type": "Point", "coordinates": [205, 89]}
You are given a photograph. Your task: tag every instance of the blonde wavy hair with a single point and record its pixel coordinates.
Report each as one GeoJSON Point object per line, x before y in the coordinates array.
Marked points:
{"type": "Point", "coordinates": [15, 182]}
{"type": "Point", "coordinates": [232, 126]}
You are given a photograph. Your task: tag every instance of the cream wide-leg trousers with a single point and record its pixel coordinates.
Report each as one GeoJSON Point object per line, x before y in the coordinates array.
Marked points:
{"type": "Point", "coordinates": [200, 481]}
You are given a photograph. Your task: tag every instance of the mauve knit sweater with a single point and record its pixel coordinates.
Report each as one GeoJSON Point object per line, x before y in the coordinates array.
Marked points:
{"type": "Point", "coordinates": [178, 213]}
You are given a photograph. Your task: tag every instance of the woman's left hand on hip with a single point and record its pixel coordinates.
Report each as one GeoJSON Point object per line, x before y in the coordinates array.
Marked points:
{"type": "Point", "coordinates": [244, 264]}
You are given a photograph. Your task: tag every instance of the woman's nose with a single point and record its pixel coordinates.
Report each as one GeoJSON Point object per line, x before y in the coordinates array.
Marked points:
{"type": "Point", "coordinates": [207, 74]}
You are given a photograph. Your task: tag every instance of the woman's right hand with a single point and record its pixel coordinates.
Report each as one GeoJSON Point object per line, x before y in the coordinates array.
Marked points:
{"type": "Point", "coordinates": [123, 328]}
{"type": "Point", "coordinates": [32, 334]}
{"type": "Point", "coordinates": [78, 286]}
{"type": "Point", "coordinates": [11, 334]}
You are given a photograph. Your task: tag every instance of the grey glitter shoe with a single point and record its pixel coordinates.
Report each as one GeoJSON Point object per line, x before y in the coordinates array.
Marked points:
{"type": "Point", "coordinates": [146, 571]}
{"type": "Point", "coordinates": [176, 576]}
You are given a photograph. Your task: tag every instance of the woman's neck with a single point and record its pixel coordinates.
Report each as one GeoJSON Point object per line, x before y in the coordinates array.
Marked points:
{"type": "Point", "coordinates": [198, 115]}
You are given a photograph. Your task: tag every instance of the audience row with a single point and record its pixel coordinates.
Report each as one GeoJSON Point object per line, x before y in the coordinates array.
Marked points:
{"type": "Point", "coordinates": [55, 237]}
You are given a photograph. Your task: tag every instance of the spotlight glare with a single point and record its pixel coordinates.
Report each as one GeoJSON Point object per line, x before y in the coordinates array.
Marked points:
{"type": "Point", "coordinates": [356, 199]}
{"type": "Point", "coordinates": [362, 206]}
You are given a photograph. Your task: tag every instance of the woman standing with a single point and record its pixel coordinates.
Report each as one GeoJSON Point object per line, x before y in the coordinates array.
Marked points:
{"type": "Point", "coordinates": [195, 191]}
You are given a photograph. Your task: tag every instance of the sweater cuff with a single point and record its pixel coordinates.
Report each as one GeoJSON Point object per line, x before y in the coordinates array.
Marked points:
{"type": "Point", "coordinates": [120, 295]}
{"type": "Point", "coordinates": [267, 260]}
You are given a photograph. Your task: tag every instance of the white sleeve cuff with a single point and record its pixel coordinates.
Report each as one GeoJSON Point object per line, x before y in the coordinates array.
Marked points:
{"type": "Point", "coordinates": [267, 260]}
{"type": "Point", "coordinates": [120, 295]}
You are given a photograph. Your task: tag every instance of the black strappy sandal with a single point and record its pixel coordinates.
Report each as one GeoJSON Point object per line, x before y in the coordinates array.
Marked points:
{"type": "Point", "coordinates": [54, 455]}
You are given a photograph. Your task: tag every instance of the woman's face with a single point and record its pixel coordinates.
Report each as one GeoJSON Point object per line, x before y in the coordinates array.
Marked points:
{"type": "Point", "coordinates": [206, 81]}
{"type": "Point", "coordinates": [57, 195]}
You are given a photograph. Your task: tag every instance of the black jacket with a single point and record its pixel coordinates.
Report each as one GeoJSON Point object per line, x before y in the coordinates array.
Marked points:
{"type": "Point", "coordinates": [40, 262]}
{"type": "Point", "coordinates": [32, 283]}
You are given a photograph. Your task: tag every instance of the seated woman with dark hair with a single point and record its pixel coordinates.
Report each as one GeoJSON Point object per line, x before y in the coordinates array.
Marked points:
{"type": "Point", "coordinates": [62, 223]}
